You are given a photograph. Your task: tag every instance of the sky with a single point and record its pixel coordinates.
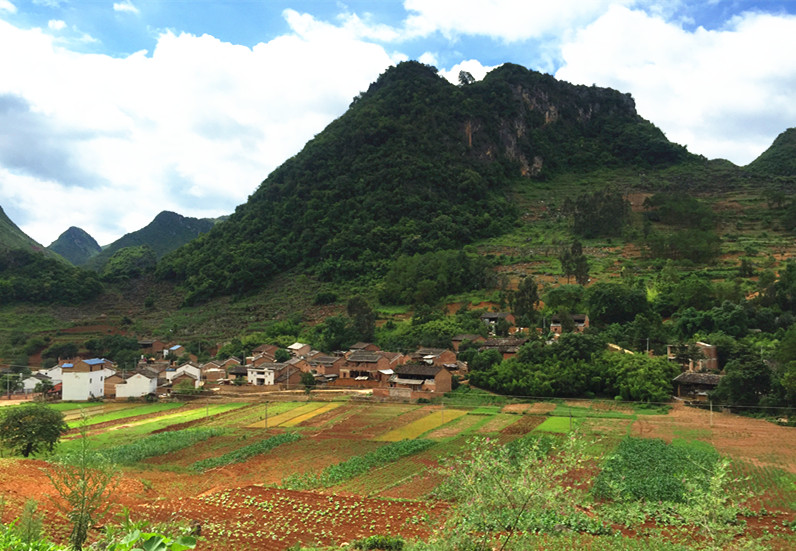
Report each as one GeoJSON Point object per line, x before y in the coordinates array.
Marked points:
{"type": "Point", "coordinates": [113, 111]}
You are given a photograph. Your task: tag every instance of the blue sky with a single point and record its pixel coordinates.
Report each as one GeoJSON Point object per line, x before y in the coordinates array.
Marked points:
{"type": "Point", "coordinates": [112, 111]}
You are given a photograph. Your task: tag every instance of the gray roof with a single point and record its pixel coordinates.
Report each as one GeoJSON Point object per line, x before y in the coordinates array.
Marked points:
{"type": "Point", "coordinates": [698, 378]}
{"type": "Point", "coordinates": [363, 356]}
{"type": "Point", "coordinates": [419, 371]}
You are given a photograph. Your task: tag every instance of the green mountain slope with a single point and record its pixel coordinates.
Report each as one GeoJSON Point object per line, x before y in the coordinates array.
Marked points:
{"type": "Point", "coordinates": [11, 237]}
{"type": "Point", "coordinates": [780, 158]}
{"type": "Point", "coordinates": [165, 233]}
{"type": "Point", "coordinates": [75, 245]}
{"type": "Point", "coordinates": [416, 164]}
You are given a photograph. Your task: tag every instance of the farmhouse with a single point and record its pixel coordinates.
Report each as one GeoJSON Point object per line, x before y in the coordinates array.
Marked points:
{"type": "Point", "coordinates": [696, 386]}
{"type": "Point", "coordinates": [137, 386]}
{"type": "Point", "coordinates": [85, 379]}
{"type": "Point", "coordinates": [491, 319]}
{"type": "Point", "coordinates": [434, 356]}
{"type": "Point", "coordinates": [457, 341]}
{"type": "Point", "coordinates": [432, 378]}
{"type": "Point", "coordinates": [580, 323]}
{"type": "Point", "coordinates": [507, 347]}
{"type": "Point", "coordinates": [262, 374]}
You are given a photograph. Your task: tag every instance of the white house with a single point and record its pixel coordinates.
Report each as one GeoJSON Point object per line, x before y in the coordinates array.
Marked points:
{"type": "Point", "coordinates": [260, 375]}
{"type": "Point", "coordinates": [84, 379]}
{"type": "Point", "coordinates": [54, 373]}
{"type": "Point", "coordinates": [136, 386]}
{"type": "Point", "coordinates": [194, 371]}
{"type": "Point", "coordinates": [29, 384]}
{"type": "Point", "coordinates": [299, 349]}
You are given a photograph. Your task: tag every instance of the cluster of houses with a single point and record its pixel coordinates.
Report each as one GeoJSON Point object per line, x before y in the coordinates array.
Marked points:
{"type": "Point", "coordinates": [425, 372]}
{"type": "Point", "coordinates": [364, 365]}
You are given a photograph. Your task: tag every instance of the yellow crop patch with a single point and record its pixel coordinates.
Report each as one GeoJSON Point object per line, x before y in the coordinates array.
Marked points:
{"type": "Point", "coordinates": [301, 418]}
{"type": "Point", "coordinates": [421, 426]}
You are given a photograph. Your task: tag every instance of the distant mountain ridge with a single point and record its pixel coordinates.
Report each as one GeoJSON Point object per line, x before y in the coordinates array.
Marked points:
{"type": "Point", "coordinates": [75, 245]}
{"type": "Point", "coordinates": [780, 158]}
{"type": "Point", "coordinates": [167, 231]}
{"type": "Point", "coordinates": [11, 237]}
{"type": "Point", "coordinates": [416, 164]}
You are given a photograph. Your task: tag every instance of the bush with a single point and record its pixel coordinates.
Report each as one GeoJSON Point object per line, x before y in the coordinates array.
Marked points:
{"type": "Point", "coordinates": [378, 541]}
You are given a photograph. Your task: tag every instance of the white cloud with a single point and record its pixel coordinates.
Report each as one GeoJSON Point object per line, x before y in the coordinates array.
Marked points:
{"type": "Point", "coordinates": [472, 66]}
{"type": "Point", "coordinates": [125, 7]}
{"type": "Point", "coordinates": [7, 6]}
{"type": "Point", "coordinates": [505, 20]}
{"type": "Point", "coordinates": [56, 25]}
{"type": "Point", "coordinates": [193, 127]}
{"type": "Point", "coordinates": [724, 93]}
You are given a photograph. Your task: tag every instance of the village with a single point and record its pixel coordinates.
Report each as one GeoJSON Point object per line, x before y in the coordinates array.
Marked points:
{"type": "Point", "coordinates": [166, 369]}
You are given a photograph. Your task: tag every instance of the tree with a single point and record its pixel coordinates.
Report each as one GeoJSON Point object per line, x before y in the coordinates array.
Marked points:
{"type": "Point", "coordinates": [281, 355]}
{"type": "Point", "coordinates": [575, 263]}
{"type": "Point", "coordinates": [363, 316]}
{"type": "Point", "coordinates": [465, 78]}
{"type": "Point", "coordinates": [525, 300]}
{"type": "Point", "coordinates": [85, 480]}
{"type": "Point", "coordinates": [308, 381]}
{"type": "Point", "coordinates": [31, 428]}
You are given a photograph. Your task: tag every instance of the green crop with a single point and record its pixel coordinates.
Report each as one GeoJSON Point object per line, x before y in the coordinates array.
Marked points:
{"type": "Point", "coordinates": [242, 454]}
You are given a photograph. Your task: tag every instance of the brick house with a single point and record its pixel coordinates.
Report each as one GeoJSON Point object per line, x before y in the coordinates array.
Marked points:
{"type": "Point", "coordinates": [422, 377]}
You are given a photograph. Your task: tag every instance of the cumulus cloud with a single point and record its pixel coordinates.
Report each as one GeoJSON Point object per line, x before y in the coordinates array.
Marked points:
{"type": "Point", "coordinates": [56, 25]}
{"type": "Point", "coordinates": [505, 20]}
{"type": "Point", "coordinates": [192, 127]}
{"type": "Point", "coordinates": [472, 66]}
{"type": "Point", "coordinates": [7, 6]}
{"type": "Point", "coordinates": [125, 7]}
{"type": "Point", "coordinates": [723, 93]}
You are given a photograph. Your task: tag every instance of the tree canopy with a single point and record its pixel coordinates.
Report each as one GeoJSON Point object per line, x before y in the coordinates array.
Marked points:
{"type": "Point", "coordinates": [31, 428]}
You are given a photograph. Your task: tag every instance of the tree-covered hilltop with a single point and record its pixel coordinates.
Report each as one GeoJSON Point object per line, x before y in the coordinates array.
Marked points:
{"type": "Point", "coordinates": [166, 232]}
{"type": "Point", "coordinates": [75, 245]}
{"type": "Point", "coordinates": [416, 164]}
{"type": "Point", "coordinates": [34, 278]}
{"type": "Point", "coordinates": [780, 158]}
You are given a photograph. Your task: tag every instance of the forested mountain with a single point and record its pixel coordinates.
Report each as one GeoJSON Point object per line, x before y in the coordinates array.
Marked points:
{"type": "Point", "coordinates": [165, 233]}
{"type": "Point", "coordinates": [780, 158]}
{"type": "Point", "coordinates": [416, 164]}
{"type": "Point", "coordinates": [11, 237]}
{"type": "Point", "coordinates": [75, 245]}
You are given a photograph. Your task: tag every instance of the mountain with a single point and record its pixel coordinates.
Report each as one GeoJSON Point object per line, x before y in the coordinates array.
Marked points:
{"type": "Point", "coordinates": [165, 233]}
{"type": "Point", "coordinates": [780, 158]}
{"type": "Point", "coordinates": [76, 246]}
{"type": "Point", "coordinates": [11, 237]}
{"type": "Point", "coordinates": [416, 164]}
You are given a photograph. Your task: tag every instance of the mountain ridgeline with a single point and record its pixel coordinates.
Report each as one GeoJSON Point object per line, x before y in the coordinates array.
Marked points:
{"type": "Point", "coordinates": [165, 233]}
{"type": "Point", "coordinates": [75, 245]}
{"type": "Point", "coordinates": [416, 164]}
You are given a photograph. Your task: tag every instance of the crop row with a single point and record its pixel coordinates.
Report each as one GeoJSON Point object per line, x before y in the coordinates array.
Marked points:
{"type": "Point", "coordinates": [246, 452]}
{"type": "Point", "coordinates": [335, 474]}
{"type": "Point", "coordinates": [423, 425]}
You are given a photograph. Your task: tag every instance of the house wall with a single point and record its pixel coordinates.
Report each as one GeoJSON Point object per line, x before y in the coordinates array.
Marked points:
{"type": "Point", "coordinates": [260, 377]}
{"type": "Point", "coordinates": [136, 387]}
{"type": "Point", "coordinates": [82, 385]}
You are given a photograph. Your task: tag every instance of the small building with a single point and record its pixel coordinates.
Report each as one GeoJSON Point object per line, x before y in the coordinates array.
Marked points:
{"type": "Point", "coordinates": [491, 319]}
{"type": "Point", "coordinates": [237, 372]}
{"type": "Point", "coordinates": [580, 322]}
{"type": "Point", "coordinates": [85, 379]}
{"type": "Point", "coordinates": [299, 349]}
{"type": "Point", "coordinates": [174, 351]}
{"type": "Point", "coordinates": [507, 347]}
{"type": "Point", "coordinates": [261, 375]}
{"type": "Point", "coordinates": [366, 346]}
{"type": "Point", "coordinates": [434, 356]}
{"type": "Point", "coordinates": [457, 341]}
{"type": "Point", "coordinates": [422, 377]}
{"type": "Point", "coordinates": [137, 385]}
{"type": "Point", "coordinates": [696, 386]}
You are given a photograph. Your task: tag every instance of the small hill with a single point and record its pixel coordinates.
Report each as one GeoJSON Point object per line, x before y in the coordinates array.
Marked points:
{"type": "Point", "coordinates": [11, 237]}
{"type": "Point", "coordinates": [75, 245]}
{"type": "Point", "coordinates": [416, 164]}
{"type": "Point", "coordinates": [166, 232]}
{"type": "Point", "coordinates": [780, 158]}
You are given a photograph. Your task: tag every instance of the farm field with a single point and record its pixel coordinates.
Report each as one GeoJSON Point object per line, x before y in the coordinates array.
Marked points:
{"type": "Point", "coordinates": [366, 468]}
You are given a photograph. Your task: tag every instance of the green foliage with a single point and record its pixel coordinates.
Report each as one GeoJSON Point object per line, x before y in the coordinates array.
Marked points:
{"type": "Point", "coordinates": [502, 489]}
{"type": "Point", "coordinates": [378, 541]}
{"type": "Point", "coordinates": [11, 540]}
{"type": "Point", "coordinates": [325, 297]}
{"type": "Point", "coordinates": [151, 541]}
{"type": "Point", "coordinates": [698, 246]}
{"type": "Point", "coordinates": [426, 278]}
{"type": "Point", "coordinates": [129, 262]}
{"type": "Point", "coordinates": [679, 209]}
{"type": "Point", "coordinates": [363, 317]}
{"type": "Point", "coordinates": [651, 470]}
{"type": "Point", "coordinates": [335, 474]}
{"type": "Point", "coordinates": [525, 301]}
{"type": "Point", "coordinates": [246, 452]}
{"type": "Point", "coordinates": [156, 444]}
{"type": "Point", "coordinates": [120, 349]}
{"type": "Point", "coordinates": [37, 279]}
{"type": "Point", "coordinates": [75, 245]}
{"type": "Point", "coordinates": [85, 481]}
{"type": "Point", "coordinates": [600, 213]}
{"type": "Point", "coordinates": [30, 428]}
{"type": "Point", "coordinates": [779, 159]}
{"type": "Point", "coordinates": [615, 303]}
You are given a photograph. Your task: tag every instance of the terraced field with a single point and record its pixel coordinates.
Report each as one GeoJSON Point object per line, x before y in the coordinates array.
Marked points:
{"type": "Point", "coordinates": [221, 466]}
